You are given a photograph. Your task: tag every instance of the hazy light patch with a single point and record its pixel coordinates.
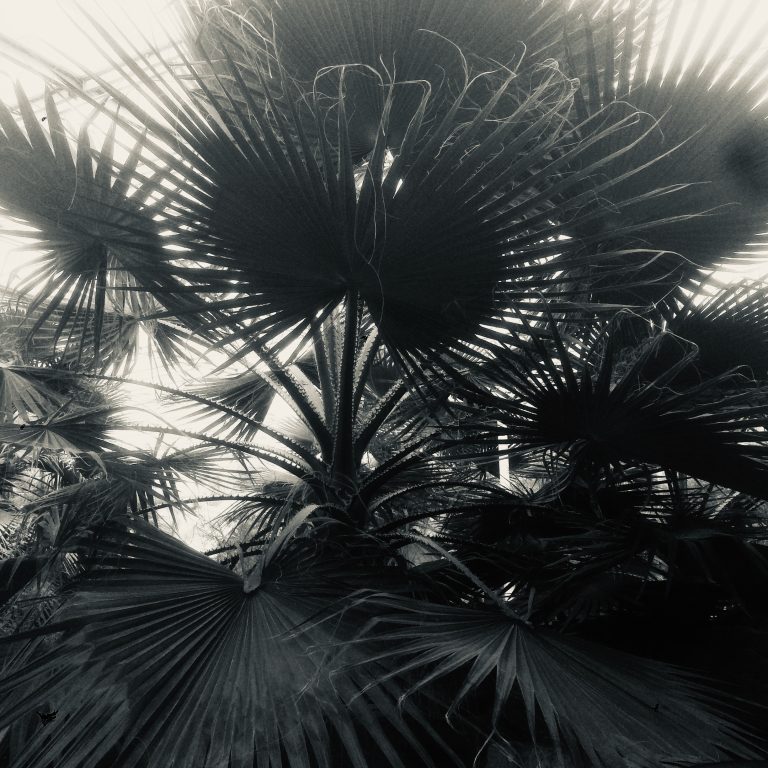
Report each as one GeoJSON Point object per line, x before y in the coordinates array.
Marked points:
{"type": "Point", "coordinates": [57, 31]}
{"type": "Point", "coordinates": [703, 24]}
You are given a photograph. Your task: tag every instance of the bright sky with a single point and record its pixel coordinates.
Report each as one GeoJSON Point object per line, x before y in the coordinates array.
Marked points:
{"type": "Point", "coordinates": [56, 29]}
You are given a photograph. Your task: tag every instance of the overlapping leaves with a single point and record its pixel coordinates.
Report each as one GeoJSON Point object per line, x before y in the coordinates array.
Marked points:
{"type": "Point", "coordinates": [278, 224]}
{"type": "Point", "coordinates": [582, 403]}
{"type": "Point", "coordinates": [728, 328]}
{"type": "Point", "coordinates": [89, 219]}
{"type": "Point", "coordinates": [189, 669]}
{"type": "Point", "coordinates": [396, 50]}
{"type": "Point", "coordinates": [691, 193]}
{"type": "Point", "coordinates": [599, 707]}
{"type": "Point", "coordinates": [302, 190]}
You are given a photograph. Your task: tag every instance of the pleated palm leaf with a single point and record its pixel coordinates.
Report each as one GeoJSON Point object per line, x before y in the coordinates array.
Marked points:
{"type": "Point", "coordinates": [728, 328]}
{"type": "Point", "coordinates": [62, 470]}
{"type": "Point", "coordinates": [91, 221]}
{"type": "Point", "coordinates": [248, 170]}
{"type": "Point", "coordinates": [590, 410]}
{"type": "Point", "coordinates": [286, 696]}
{"type": "Point", "coordinates": [703, 132]}
{"type": "Point", "coordinates": [395, 50]}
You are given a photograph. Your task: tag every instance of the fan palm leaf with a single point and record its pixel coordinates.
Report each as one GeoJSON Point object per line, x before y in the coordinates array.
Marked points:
{"type": "Point", "coordinates": [396, 50]}
{"type": "Point", "coordinates": [576, 404]}
{"type": "Point", "coordinates": [665, 545]}
{"type": "Point", "coordinates": [70, 343]}
{"type": "Point", "coordinates": [728, 328]}
{"type": "Point", "coordinates": [706, 151]}
{"type": "Point", "coordinates": [90, 221]}
{"type": "Point", "coordinates": [24, 394]}
{"type": "Point", "coordinates": [250, 178]}
{"type": "Point", "coordinates": [261, 679]}
{"type": "Point", "coordinates": [599, 707]}
{"type": "Point", "coordinates": [390, 220]}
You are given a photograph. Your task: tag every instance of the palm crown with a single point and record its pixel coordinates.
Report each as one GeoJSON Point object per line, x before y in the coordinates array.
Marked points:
{"type": "Point", "coordinates": [519, 507]}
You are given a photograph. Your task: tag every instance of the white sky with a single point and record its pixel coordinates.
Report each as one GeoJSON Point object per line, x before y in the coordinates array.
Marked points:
{"type": "Point", "coordinates": [56, 29]}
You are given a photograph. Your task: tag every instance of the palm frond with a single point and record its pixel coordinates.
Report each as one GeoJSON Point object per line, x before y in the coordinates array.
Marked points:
{"type": "Point", "coordinates": [259, 682]}
{"type": "Point", "coordinates": [91, 221]}
{"type": "Point", "coordinates": [498, 513]}
{"type": "Point", "coordinates": [389, 52]}
{"type": "Point", "coordinates": [705, 152]}
{"type": "Point", "coordinates": [79, 430]}
{"type": "Point", "coordinates": [598, 706]}
{"type": "Point", "coordinates": [24, 394]}
{"type": "Point", "coordinates": [252, 175]}
{"type": "Point", "coordinates": [584, 407]}
{"type": "Point", "coordinates": [728, 328]}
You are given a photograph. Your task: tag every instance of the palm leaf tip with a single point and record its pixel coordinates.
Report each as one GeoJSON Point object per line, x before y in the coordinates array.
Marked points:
{"type": "Point", "coordinates": [595, 703]}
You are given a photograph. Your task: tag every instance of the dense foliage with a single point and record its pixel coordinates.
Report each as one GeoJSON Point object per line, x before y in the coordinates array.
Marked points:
{"type": "Point", "coordinates": [479, 252]}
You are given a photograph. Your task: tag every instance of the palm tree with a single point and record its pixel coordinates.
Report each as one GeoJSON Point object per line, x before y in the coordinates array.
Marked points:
{"type": "Point", "coordinates": [517, 514]}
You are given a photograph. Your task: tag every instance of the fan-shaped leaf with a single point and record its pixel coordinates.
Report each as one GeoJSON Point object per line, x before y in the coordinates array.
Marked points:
{"type": "Point", "coordinates": [708, 151]}
{"type": "Point", "coordinates": [595, 702]}
{"type": "Point", "coordinates": [92, 228]}
{"type": "Point", "coordinates": [578, 404]}
{"type": "Point", "coordinates": [170, 631]}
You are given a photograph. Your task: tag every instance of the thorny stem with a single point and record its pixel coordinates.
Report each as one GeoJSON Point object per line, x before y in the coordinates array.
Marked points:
{"type": "Point", "coordinates": [343, 470]}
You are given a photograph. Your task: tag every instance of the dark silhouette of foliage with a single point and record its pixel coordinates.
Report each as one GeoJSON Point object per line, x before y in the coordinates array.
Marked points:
{"type": "Point", "coordinates": [438, 304]}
